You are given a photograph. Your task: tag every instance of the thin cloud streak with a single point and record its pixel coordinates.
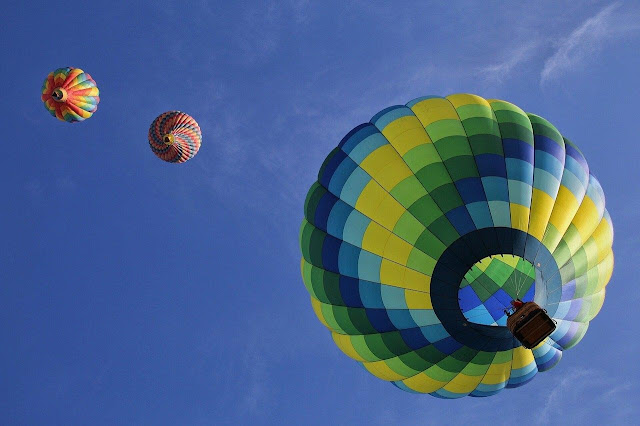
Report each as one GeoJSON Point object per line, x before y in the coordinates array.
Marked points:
{"type": "Point", "coordinates": [587, 40]}
{"type": "Point", "coordinates": [615, 399]}
{"type": "Point", "coordinates": [265, 160]}
{"type": "Point", "coordinates": [513, 58]}
{"type": "Point", "coordinates": [263, 34]}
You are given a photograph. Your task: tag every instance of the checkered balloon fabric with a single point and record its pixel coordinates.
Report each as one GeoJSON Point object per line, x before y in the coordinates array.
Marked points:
{"type": "Point", "coordinates": [427, 221]}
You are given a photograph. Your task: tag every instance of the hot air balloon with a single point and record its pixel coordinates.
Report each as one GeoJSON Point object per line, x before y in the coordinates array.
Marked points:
{"type": "Point", "coordinates": [70, 94]}
{"type": "Point", "coordinates": [175, 137]}
{"type": "Point", "coordinates": [428, 222]}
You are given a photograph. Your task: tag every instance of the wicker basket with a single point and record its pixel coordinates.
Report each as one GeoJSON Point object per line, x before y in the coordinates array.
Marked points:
{"type": "Point", "coordinates": [530, 324]}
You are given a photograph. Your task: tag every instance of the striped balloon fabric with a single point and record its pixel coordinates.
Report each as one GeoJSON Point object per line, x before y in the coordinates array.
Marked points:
{"type": "Point", "coordinates": [70, 94]}
{"type": "Point", "coordinates": [426, 222]}
{"type": "Point", "coordinates": [175, 137]}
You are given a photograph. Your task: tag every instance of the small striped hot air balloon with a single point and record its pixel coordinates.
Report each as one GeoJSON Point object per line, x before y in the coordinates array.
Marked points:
{"type": "Point", "coordinates": [70, 94]}
{"type": "Point", "coordinates": [175, 137]}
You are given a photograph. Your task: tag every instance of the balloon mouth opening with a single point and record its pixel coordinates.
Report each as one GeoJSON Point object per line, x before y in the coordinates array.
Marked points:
{"type": "Point", "coordinates": [491, 284]}
{"type": "Point", "coordinates": [168, 139]}
{"type": "Point", "coordinates": [59, 94]}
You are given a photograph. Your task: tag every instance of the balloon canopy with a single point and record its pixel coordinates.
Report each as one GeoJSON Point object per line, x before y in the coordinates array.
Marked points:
{"type": "Point", "coordinates": [175, 137]}
{"type": "Point", "coordinates": [426, 222]}
{"type": "Point", "coordinates": [70, 94]}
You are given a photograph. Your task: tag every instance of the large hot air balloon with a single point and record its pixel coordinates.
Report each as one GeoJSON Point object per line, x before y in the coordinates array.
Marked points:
{"type": "Point", "coordinates": [175, 137]}
{"type": "Point", "coordinates": [427, 223]}
{"type": "Point", "coordinates": [70, 94]}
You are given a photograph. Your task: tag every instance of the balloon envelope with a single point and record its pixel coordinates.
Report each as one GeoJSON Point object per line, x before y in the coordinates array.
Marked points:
{"type": "Point", "coordinates": [175, 137]}
{"type": "Point", "coordinates": [70, 94]}
{"type": "Point", "coordinates": [427, 221]}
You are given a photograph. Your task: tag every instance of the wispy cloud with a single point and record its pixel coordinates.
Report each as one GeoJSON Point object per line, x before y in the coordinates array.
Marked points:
{"type": "Point", "coordinates": [572, 397]}
{"type": "Point", "coordinates": [264, 157]}
{"type": "Point", "coordinates": [65, 184]}
{"type": "Point", "coordinates": [581, 394]}
{"type": "Point", "coordinates": [555, 401]}
{"type": "Point", "coordinates": [587, 39]}
{"type": "Point", "coordinates": [34, 188]}
{"type": "Point", "coordinates": [257, 395]}
{"type": "Point", "coordinates": [39, 190]}
{"type": "Point", "coordinates": [511, 59]}
{"type": "Point", "coordinates": [265, 27]}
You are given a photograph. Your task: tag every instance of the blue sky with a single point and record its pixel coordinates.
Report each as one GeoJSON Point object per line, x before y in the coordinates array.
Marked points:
{"type": "Point", "coordinates": [139, 292]}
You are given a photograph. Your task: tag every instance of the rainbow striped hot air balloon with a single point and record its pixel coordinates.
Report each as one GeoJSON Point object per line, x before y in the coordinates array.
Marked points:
{"type": "Point", "coordinates": [175, 137]}
{"type": "Point", "coordinates": [70, 94]}
{"type": "Point", "coordinates": [426, 222]}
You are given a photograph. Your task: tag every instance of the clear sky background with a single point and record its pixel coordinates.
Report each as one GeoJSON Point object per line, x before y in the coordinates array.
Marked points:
{"type": "Point", "coordinates": [133, 291]}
